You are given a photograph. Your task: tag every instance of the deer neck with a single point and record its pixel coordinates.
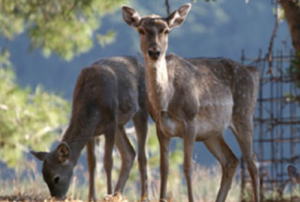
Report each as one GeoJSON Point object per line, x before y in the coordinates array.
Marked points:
{"type": "Point", "coordinates": [159, 83]}
{"type": "Point", "coordinates": [78, 135]}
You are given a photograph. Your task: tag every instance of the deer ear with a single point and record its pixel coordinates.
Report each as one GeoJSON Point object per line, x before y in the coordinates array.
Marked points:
{"type": "Point", "coordinates": [176, 18]}
{"type": "Point", "coordinates": [131, 16]}
{"type": "Point", "coordinates": [39, 155]}
{"type": "Point", "coordinates": [293, 173]}
{"type": "Point", "coordinates": [63, 153]}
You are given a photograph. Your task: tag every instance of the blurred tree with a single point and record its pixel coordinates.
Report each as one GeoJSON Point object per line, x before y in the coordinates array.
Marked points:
{"type": "Point", "coordinates": [65, 27]}
{"type": "Point", "coordinates": [292, 16]}
{"type": "Point", "coordinates": [27, 118]}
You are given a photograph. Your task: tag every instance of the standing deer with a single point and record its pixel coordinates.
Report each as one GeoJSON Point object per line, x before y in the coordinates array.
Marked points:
{"type": "Point", "coordinates": [107, 95]}
{"type": "Point", "coordinates": [196, 99]}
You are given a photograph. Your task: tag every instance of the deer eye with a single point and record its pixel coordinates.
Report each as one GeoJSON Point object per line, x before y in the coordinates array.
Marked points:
{"type": "Point", "coordinates": [164, 31]}
{"type": "Point", "coordinates": [56, 179]}
{"type": "Point", "coordinates": [141, 31]}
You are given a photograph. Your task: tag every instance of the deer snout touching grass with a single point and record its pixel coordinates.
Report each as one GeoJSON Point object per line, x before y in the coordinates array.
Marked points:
{"type": "Point", "coordinates": [107, 95]}
{"type": "Point", "coordinates": [196, 99]}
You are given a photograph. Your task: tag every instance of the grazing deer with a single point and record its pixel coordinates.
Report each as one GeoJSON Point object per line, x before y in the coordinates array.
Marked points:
{"type": "Point", "coordinates": [107, 95]}
{"type": "Point", "coordinates": [196, 99]}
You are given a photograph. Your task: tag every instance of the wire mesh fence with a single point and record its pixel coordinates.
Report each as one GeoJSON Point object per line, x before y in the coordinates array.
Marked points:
{"type": "Point", "coordinates": [276, 129]}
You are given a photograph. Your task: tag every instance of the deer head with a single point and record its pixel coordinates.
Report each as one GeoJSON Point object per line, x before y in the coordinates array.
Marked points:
{"type": "Point", "coordinates": [57, 169]}
{"type": "Point", "coordinates": [154, 29]}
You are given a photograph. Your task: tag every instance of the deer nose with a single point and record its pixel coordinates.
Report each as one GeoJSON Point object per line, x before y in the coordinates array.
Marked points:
{"type": "Point", "coordinates": [154, 54]}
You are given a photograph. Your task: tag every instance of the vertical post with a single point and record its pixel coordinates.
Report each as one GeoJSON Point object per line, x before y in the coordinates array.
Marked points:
{"type": "Point", "coordinates": [261, 127]}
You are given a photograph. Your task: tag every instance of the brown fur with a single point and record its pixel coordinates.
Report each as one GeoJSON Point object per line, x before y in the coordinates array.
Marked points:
{"type": "Point", "coordinates": [196, 99]}
{"type": "Point", "coordinates": [108, 94]}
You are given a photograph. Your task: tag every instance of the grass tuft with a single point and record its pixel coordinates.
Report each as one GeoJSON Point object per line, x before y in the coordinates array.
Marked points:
{"type": "Point", "coordinates": [28, 186]}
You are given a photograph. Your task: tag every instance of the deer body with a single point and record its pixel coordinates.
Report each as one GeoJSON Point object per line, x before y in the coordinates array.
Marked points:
{"type": "Point", "coordinates": [107, 95]}
{"type": "Point", "coordinates": [196, 99]}
{"type": "Point", "coordinates": [205, 98]}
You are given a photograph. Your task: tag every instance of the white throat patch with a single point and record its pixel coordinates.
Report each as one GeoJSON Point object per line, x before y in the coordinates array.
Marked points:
{"type": "Point", "coordinates": [159, 82]}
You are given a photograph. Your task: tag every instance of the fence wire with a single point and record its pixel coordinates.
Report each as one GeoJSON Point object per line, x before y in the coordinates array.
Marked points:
{"type": "Point", "coordinates": [276, 129]}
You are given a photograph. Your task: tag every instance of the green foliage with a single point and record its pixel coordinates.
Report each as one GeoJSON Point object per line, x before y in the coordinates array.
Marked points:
{"type": "Point", "coordinates": [106, 39]}
{"type": "Point", "coordinates": [280, 13]}
{"type": "Point", "coordinates": [27, 118]}
{"type": "Point", "coordinates": [4, 58]}
{"type": "Point", "coordinates": [294, 69]}
{"type": "Point", "coordinates": [66, 27]}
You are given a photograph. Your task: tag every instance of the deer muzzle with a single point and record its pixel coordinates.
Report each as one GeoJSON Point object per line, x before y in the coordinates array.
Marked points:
{"type": "Point", "coordinates": [154, 53]}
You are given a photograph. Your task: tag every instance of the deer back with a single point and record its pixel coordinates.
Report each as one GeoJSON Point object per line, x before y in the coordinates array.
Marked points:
{"type": "Point", "coordinates": [110, 86]}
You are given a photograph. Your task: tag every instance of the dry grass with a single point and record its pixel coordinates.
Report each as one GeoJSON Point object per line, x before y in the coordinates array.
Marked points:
{"type": "Point", "coordinates": [31, 188]}
{"type": "Point", "coordinates": [27, 184]}
{"type": "Point", "coordinates": [36, 198]}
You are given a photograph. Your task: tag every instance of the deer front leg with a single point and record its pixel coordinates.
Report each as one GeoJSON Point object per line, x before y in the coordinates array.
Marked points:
{"type": "Point", "coordinates": [141, 127]}
{"type": "Point", "coordinates": [108, 160]}
{"type": "Point", "coordinates": [188, 146]}
{"type": "Point", "coordinates": [164, 143]}
{"type": "Point", "coordinates": [127, 155]}
{"type": "Point", "coordinates": [91, 158]}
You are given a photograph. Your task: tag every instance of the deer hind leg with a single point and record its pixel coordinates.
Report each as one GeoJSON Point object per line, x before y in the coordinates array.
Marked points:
{"type": "Point", "coordinates": [110, 134]}
{"type": "Point", "coordinates": [164, 143]}
{"type": "Point", "coordinates": [91, 158]}
{"type": "Point", "coordinates": [219, 148]}
{"type": "Point", "coordinates": [141, 127]}
{"type": "Point", "coordinates": [127, 155]}
{"type": "Point", "coordinates": [243, 130]}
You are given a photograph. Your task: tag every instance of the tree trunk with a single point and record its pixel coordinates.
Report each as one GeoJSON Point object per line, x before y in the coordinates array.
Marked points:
{"type": "Point", "coordinates": [292, 15]}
